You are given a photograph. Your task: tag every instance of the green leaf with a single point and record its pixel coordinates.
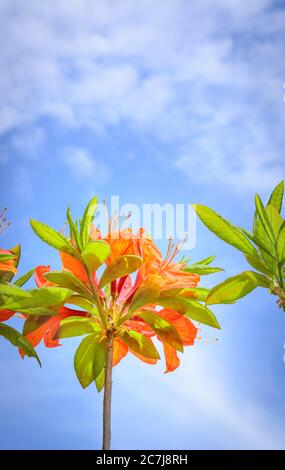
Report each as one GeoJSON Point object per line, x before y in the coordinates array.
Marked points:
{"type": "Point", "coordinates": [89, 359]}
{"type": "Point", "coordinates": [25, 278]}
{"type": "Point", "coordinates": [276, 197]}
{"type": "Point", "coordinates": [264, 218]}
{"type": "Point", "coordinates": [259, 240]}
{"type": "Point", "coordinates": [68, 280]}
{"type": "Point", "coordinates": [140, 344]}
{"type": "Point", "coordinates": [208, 260]}
{"type": "Point", "coordinates": [77, 326]}
{"type": "Point", "coordinates": [18, 340]}
{"type": "Point", "coordinates": [36, 298]}
{"type": "Point", "coordinates": [84, 304]}
{"type": "Point", "coordinates": [236, 287]}
{"type": "Point", "coordinates": [73, 230]}
{"type": "Point", "coordinates": [13, 291]}
{"type": "Point", "coordinates": [87, 220]}
{"type": "Point", "coordinates": [36, 311]}
{"type": "Point", "coordinates": [262, 281]}
{"type": "Point", "coordinates": [201, 314]}
{"type": "Point", "coordinates": [146, 294]}
{"type": "Point", "coordinates": [224, 229]}
{"type": "Point", "coordinates": [163, 328]}
{"type": "Point", "coordinates": [266, 245]}
{"type": "Point", "coordinates": [258, 264]}
{"type": "Point", "coordinates": [203, 269]}
{"type": "Point", "coordinates": [199, 293]}
{"type": "Point", "coordinates": [275, 219]}
{"type": "Point", "coordinates": [16, 250]}
{"type": "Point", "coordinates": [33, 322]}
{"type": "Point", "coordinates": [95, 253]}
{"type": "Point", "coordinates": [190, 308]}
{"type": "Point", "coordinates": [4, 258]}
{"type": "Point", "coordinates": [52, 237]}
{"type": "Point", "coordinates": [281, 244]}
{"type": "Point", "coordinates": [100, 380]}
{"type": "Point", "coordinates": [119, 267]}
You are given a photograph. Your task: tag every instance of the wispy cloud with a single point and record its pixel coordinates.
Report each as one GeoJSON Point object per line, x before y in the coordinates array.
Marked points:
{"type": "Point", "coordinates": [206, 78]}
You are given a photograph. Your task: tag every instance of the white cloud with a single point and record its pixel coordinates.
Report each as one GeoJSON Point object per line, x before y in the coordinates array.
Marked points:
{"type": "Point", "coordinates": [207, 78]}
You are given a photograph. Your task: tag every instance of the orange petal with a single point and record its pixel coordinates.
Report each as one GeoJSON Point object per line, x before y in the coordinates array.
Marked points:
{"type": "Point", "coordinates": [185, 328]}
{"type": "Point", "coordinates": [40, 280]}
{"type": "Point", "coordinates": [171, 358]}
{"type": "Point", "coordinates": [8, 266]}
{"type": "Point", "coordinates": [49, 340]}
{"type": "Point", "coordinates": [120, 351]}
{"type": "Point", "coordinates": [37, 335]}
{"type": "Point", "coordinates": [6, 314]}
{"type": "Point", "coordinates": [69, 263]}
{"type": "Point", "coordinates": [65, 312]}
{"type": "Point", "coordinates": [147, 360]}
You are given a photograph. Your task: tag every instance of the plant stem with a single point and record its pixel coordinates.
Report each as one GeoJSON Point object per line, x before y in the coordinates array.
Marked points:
{"type": "Point", "coordinates": [108, 391]}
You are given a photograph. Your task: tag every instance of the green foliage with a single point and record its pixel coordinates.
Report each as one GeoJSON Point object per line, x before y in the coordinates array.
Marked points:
{"type": "Point", "coordinates": [95, 253]}
{"type": "Point", "coordinates": [52, 237]}
{"type": "Point", "coordinates": [224, 229]}
{"type": "Point", "coordinates": [89, 359]}
{"type": "Point", "coordinates": [87, 220]}
{"type": "Point", "coordinates": [264, 249]}
{"type": "Point", "coordinates": [18, 340]}
{"type": "Point", "coordinates": [119, 267]}
{"type": "Point", "coordinates": [140, 344]}
{"type": "Point", "coordinates": [67, 280]}
{"type": "Point", "coordinates": [34, 299]}
{"type": "Point", "coordinates": [77, 326]}
{"type": "Point", "coordinates": [203, 267]}
{"type": "Point", "coordinates": [83, 303]}
{"type": "Point", "coordinates": [236, 287]}
{"type": "Point", "coordinates": [100, 380]}
{"type": "Point", "coordinates": [4, 258]}
{"type": "Point", "coordinates": [24, 278]}
{"type": "Point", "coordinates": [73, 231]}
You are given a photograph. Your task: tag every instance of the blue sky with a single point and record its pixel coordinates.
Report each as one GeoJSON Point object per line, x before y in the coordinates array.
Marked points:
{"type": "Point", "coordinates": [166, 101]}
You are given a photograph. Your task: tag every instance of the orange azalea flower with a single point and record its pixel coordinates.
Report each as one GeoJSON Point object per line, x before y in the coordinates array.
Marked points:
{"type": "Point", "coordinates": [184, 327]}
{"type": "Point", "coordinates": [186, 330]}
{"type": "Point", "coordinates": [40, 280]}
{"type": "Point", "coordinates": [169, 274]}
{"type": "Point", "coordinates": [47, 330]}
{"type": "Point", "coordinates": [8, 265]}
{"type": "Point", "coordinates": [122, 242]}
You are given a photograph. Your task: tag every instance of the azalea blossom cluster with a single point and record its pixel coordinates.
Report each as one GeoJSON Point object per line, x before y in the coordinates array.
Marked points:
{"type": "Point", "coordinates": [117, 291]}
{"type": "Point", "coordinates": [155, 275]}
